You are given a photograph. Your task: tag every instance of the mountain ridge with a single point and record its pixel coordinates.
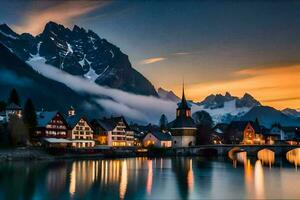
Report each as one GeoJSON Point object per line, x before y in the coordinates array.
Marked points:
{"type": "Point", "coordinates": [79, 52]}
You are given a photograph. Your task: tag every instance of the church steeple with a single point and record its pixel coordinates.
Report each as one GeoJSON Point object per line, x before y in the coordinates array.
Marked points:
{"type": "Point", "coordinates": [183, 108]}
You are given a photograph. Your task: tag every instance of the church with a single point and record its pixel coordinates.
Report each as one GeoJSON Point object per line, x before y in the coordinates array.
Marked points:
{"type": "Point", "coordinates": [183, 128]}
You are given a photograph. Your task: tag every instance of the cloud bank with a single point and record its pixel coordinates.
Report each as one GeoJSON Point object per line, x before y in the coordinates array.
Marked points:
{"type": "Point", "coordinates": [135, 107]}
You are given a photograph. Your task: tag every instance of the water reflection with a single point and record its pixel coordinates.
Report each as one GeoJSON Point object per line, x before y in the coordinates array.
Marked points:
{"type": "Point", "coordinates": [190, 176]}
{"type": "Point", "coordinates": [142, 178]}
{"type": "Point", "coordinates": [267, 157]}
{"type": "Point", "coordinates": [123, 182]}
{"type": "Point", "coordinates": [150, 176]}
{"type": "Point", "coordinates": [259, 180]}
{"type": "Point", "coordinates": [293, 157]}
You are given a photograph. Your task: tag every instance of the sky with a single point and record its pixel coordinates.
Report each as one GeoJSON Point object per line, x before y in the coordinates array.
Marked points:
{"type": "Point", "coordinates": [215, 46]}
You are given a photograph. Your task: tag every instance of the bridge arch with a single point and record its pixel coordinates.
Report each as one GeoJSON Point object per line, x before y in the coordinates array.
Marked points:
{"type": "Point", "coordinates": [293, 156]}
{"type": "Point", "coordinates": [266, 156]}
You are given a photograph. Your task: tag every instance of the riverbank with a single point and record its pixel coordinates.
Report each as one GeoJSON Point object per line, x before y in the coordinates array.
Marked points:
{"type": "Point", "coordinates": [38, 153]}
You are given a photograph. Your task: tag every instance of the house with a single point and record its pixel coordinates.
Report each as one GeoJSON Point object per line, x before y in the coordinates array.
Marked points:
{"type": "Point", "coordinates": [183, 128]}
{"type": "Point", "coordinates": [218, 133]}
{"type": "Point", "coordinates": [276, 129]}
{"type": "Point", "coordinates": [270, 138]}
{"type": "Point", "coordinates": [286, 133]}
{"type": "Point", "coordinates": [80, 131]}
{"type": "Point", "coordinates": [52, 128]}
{"type": "Point", "coordinates": [113, 132]}
{"type": "Point", "coordinates": [13, 109]}
{"type": "Point", "coordinates": [157, 139]}
{"type": "Point", "coordinates": [245, 132]}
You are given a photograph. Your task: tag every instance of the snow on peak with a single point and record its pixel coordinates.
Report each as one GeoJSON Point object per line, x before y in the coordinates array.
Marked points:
{"type": "Point", "coordinates": [8, 35]}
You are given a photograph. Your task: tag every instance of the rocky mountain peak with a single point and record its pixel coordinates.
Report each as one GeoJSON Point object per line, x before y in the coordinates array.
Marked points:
{"type": "Point", "coordinates": [167, 95]}
{"type": "Point", "coordinates": [217, 101]}
{"type": "Point", "coordinates": [82, 53]}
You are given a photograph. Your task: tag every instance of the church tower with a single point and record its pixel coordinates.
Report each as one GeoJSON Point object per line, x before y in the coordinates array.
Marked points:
{"type": "Point", "coordinates": [183, 107]}
{"type": "Point", "coordinates": [183, 128]}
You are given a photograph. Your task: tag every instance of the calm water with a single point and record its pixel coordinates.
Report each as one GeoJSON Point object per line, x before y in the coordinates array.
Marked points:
{"type": "Point", "coordinates": [142, 178]}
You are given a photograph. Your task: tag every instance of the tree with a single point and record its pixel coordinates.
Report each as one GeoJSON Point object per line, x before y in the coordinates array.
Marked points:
{"type": "Point", "coordinates": [14, 97]}
{"type": "Point", "coordinates": [18, 131]}
{"type": "Point", "coordinates": [163, 122]}
{"type": "Point", "coordinates": [2, 105]}
{"type": "Point", "coordinates": [204, 124]}
{"type": "Point", "coordinates": [29, 117]}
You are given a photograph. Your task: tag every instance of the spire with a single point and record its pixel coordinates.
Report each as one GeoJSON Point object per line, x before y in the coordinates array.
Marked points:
{"type": "Point", "coordinates": [183, 103]}
{"type": "Point", "coordinates": [183, 95]}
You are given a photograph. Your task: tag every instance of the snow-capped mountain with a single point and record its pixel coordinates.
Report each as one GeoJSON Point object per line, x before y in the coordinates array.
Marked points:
{"type": "Point", "coordinates": [167, 95]}
{"type": "Point", "coordinates": [79, 52]}
{"type": "Point", "coordinates": [291, 112]}
{"type": "Point", "coordinates": [218, 101]}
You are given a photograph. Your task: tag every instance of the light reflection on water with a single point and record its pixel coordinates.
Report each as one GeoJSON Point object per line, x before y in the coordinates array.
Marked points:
{"type": "Point", "coordinates": [143, 178]}
{"type": "Point", "coordinates": [293, 157]}
{"type": "Point", "coordinates": [267, 157]}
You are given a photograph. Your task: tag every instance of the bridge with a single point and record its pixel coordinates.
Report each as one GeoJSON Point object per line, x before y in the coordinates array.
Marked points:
{"type": "Point", "coordinates": [224, 149]}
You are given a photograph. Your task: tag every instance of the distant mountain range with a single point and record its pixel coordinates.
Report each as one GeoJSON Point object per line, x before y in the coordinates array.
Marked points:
{"type": "Point", "coordinates": [225, 108]}
{"type": "Point", "coordinates": [79, 52]}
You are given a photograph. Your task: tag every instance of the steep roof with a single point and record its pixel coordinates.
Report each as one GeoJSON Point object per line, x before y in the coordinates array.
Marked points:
{"type": "Point", "coordinates": [241, 125]}
{"type": "Point", "coordinates": [183, 104]}
{"type": "Point", "coordinates": [161, 136]}
{"type": "Point", "coordinates": [182, 121]}
{"type": "Point", "coordinates": [74, 119]}
{"type": "Point", "coordinates": [108, 124]}
{"type": "Point", "coordinates": [43, 118]}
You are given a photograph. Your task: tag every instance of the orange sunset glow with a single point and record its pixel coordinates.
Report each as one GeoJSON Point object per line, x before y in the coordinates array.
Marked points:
{"type": "Point", "coordinates": [274, 86]}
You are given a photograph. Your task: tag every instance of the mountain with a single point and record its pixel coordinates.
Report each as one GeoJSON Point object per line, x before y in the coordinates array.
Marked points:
{"type": "Point", "coordinates": [15, 73]}
{"type": "Point", "coordinates": [291, 112]}
{"type": "Point", "coordinates": [79, 52]}
{"type": "Point", "coordinates": [267, 116]}
{"type": "Point", "coordinates": [167, 95]}
{"type": "Point", "coordinates": [218, 101]}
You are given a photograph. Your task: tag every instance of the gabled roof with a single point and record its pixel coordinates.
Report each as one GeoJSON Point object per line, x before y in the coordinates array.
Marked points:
{"type": "Point", "coordinates": [181, 122]}
{"type": "Point", "coordinates": [241, 125]}
{"type": "Point", "coordinates": [74, 119]}
{"type": "Point", "coordinates": [108, 124]}
{"type": "Point", "coordinates": [44, 117]}
{"type": "Point", "coordinates": [161, 136]}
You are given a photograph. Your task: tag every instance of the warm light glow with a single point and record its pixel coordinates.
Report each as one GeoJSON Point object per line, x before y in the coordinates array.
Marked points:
{"type": "Point", "coordinates": [267, 157]}
{"type": "Point", "coordinates": [123, 181]}
{"type": "Point", "coordinates": [35, 20]}
{"type": "Point", "coordinates": [293, 156]}
{"type": "Point", "coordinates": [259, 180]}
{"type": "Point", "coordinates": [275, 86]}
{"type": "Point", "coordinates": [149, 177]}
{"type": "Point", "coordinates": [190, 176]}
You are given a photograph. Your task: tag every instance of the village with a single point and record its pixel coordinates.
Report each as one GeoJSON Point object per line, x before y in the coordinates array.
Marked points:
{"type": "Point", "coordinates": [56, 130]}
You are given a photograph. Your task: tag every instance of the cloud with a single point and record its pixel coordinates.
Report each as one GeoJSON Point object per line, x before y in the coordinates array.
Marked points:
{"type": "Point", "coordinates": [152, 60]}
{"type": "Point", "coordinates": [182, 53]}
{"type": "Point", "coordinates": [135, 107]}
{"type": "Point", "coordinates": [282, 99]}
{"type": "Point", "coordinates": [59, 11]}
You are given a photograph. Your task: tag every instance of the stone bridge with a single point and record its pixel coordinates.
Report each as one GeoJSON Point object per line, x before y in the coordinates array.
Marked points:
{"type": "Point", "coordinates": [224, 149]}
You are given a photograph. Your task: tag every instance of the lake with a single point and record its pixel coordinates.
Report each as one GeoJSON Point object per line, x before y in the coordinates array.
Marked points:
{"type": "Point", "coordinates": [157, 178]}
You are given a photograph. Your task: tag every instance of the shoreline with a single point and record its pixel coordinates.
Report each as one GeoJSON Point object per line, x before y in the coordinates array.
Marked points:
{"type": "Point", "coordinates": [41, 154]}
